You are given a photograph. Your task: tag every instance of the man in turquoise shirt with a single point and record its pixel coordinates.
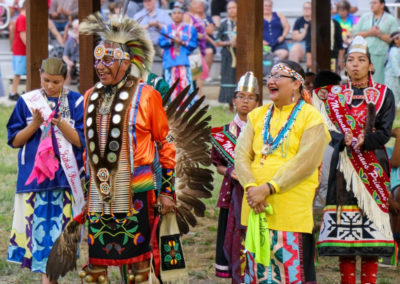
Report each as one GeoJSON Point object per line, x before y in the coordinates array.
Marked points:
{"type": "Point", "coordinates": [376, 27]}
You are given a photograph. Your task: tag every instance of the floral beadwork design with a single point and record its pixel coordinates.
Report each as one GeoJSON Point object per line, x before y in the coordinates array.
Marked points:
{"type": "Point", "coordinates": [114, 227]}
{"type": "Point", "coordinates": [171, 252]}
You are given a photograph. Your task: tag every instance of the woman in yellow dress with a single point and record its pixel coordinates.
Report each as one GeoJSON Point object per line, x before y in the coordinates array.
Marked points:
{"type": "Point", "coordinates": [277, 156]}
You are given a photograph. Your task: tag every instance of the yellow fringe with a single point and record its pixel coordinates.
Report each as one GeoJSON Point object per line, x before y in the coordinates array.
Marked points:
{"type": "Point", "coordinates": [364, 199]}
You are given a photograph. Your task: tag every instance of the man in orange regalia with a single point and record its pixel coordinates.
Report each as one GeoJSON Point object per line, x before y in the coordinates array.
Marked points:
{"type": "Point", "coordinates": [129, 159]}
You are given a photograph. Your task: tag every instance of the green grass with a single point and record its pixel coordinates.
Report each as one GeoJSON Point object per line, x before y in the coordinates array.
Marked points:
{"type": "Point", "coordinates": [8, 172]}
{"type": "Point", "coordinates": [220, 116]}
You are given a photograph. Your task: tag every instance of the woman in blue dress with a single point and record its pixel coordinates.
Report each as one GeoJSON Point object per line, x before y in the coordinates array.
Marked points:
{"type": "Point", "coordinates": [276, 28]}
{"type": "Point", "coordinates": [178, 41]}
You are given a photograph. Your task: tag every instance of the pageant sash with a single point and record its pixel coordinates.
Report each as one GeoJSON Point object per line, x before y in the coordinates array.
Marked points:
{"type": "Point", "coordinates": [224, 141]}
{"type": "Point", "coordinates": [35, 100]}
{"type": "Point", "coordinates": [365, 163]}
{"type": "Point", "coordinates": [364, 175]}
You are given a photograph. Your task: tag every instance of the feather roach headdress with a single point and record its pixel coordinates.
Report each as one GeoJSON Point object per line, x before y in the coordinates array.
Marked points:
{"type": "Point", "coordinates": [129, 34]}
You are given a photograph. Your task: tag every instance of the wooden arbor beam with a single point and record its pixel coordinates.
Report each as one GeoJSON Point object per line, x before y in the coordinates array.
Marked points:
{"type": "Point", "coordinates": [87, 74]}
{"type": "Point", "coordinates": [36, 40]}
{"type": "Point", "coordinates": [249, 39]}
{"type": "Point", "coordinates": [321, 35]}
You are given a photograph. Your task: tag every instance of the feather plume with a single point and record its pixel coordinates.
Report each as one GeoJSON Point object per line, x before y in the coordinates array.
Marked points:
{"type": "Point", "coordinates": [196, 106]}
{"type": "Point", "coordinates": [63, 255]}
{"type": "Point", "coordinates": [190, 127]}
{"type": "Point", "coordinates": [189, 217]}
{"type": "Point", "coordinates": [182, 224]}
{"type": "Point", "coordinates": [176, 103]}
{"type": "Point", "coordinates": [197, 193]}
{"type": "Point", "coordinates": [191, 201]}
{"type": "Point", "coordinates": [123, 10]}
{"type": "Point", "coordinates": [186, 103]}
{"type": "Point", "coordinates": [199, 185]}
{"type": "Point", "coordinates": [202, 174]}
{"type": "Point", "coordinates": [169, 93]}
{"type": "Point", "coordinates": [124, 31]}
{"type": "Point", "coordinates": [199, 212]}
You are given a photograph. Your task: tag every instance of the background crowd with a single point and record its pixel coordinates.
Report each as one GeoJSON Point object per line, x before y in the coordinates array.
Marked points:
{"type": "Point", "coordinates": [214, 25]}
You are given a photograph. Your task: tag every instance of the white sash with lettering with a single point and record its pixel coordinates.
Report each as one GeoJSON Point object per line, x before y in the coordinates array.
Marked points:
{"type": "Point", "coordinates": [35, 100]}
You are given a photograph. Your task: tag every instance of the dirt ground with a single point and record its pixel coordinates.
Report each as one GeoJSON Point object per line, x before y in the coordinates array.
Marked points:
{"type": "Point", "coordinates": [199, 248]}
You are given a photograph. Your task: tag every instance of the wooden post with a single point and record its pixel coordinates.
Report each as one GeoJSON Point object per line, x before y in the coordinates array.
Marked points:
{"type": "Point", "coordinates": [87, 74]}
{"type": "Point", "coordinates": [321, 35]}
{"type": "Point", "coordinates": [36, 40]}
{"type": "Point", "coordinates": [249, 39]}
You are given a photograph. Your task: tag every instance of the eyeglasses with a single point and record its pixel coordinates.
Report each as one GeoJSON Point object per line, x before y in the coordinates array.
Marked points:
{"type": "Point", "coordinates": [243, 98]}
{"type": "Point", "coordinates": [106, 61]}
{"type": "Point", "coordinates": [276, 77]}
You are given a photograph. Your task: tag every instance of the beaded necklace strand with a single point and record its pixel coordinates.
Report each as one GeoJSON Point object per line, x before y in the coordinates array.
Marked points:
{"type": "Point", "coordinates": [270, 144]}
